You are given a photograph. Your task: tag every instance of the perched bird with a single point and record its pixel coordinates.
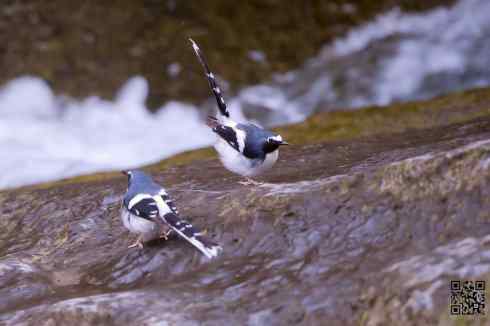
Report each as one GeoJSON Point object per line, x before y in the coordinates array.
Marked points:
{"type": "Point", "coordinates": [148, 210]}
{"type": "Point", "coordinates": [244, 148]}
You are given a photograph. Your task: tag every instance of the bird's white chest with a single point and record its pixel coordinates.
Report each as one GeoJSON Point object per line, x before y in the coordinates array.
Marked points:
{"type": "Point", "coordinates": [236, 162]}
{"type": "Point", "coordinates": [139, 225]}
{"type": "Point", "coordinates": [270, 160]}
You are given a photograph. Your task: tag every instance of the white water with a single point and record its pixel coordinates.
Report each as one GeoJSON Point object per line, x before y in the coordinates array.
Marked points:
{"type": "Point", "coordinates": [396, 57]}
{"type": "Point", "coordinates": [47, 137]}
{"type": "Point", "coordinates": [44, 137]}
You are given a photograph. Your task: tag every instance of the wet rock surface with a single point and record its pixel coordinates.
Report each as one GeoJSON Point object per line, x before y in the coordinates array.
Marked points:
{"type": "Point", "coordinates": [367, 231]}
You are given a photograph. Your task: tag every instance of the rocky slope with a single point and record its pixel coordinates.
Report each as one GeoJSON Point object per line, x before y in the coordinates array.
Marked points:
{"type": "Point", "coordinates": [353, 227]}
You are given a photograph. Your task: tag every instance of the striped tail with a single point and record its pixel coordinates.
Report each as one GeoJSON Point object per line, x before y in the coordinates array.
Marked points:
{"type": "Point", "coordinates": [209, 248]}
{"type": "Point", "coordinates": [212, 81]}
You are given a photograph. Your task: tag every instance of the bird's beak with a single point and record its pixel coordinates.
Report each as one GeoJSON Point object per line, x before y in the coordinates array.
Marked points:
{"type": "Point", "coordinates": [284, 143]}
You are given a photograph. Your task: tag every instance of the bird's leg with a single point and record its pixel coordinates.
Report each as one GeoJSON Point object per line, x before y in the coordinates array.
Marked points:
{"type": "Point", "coordinates": [138, 243]}
{"type": "Point", "coordinates": [165, 233]}
{"type": "Point", "coordinates": [250, 182]}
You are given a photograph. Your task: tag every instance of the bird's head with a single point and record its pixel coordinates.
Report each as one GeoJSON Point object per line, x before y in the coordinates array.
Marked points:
{"type": "Point", "coordinates": [272, 143]}
{"type": "Point", "coordinates": [134, 175]}
{"type": "Point", "coordinates": [128, 173]}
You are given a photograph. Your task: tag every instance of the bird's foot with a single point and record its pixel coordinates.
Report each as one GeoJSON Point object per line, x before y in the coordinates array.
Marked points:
{"type": "Point", "coordinates": [138, 244]}
{"type": "Point", "coordinates": [165, 234]}
{"type": "Point", "coordinates": [250, 182]}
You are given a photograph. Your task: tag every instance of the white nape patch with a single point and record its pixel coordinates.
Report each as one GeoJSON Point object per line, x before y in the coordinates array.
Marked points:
{"type": "Point", "coordinates": [210, 75]}
{"type": "Point", "coordinates": [276, 138]}
{"type": "Point", "coordinates": [136, 199]}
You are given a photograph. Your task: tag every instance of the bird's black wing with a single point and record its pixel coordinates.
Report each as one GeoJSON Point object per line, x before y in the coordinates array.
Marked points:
{"type": "Point", "coordinates": [147, 206]}
{"type": "Point", "coordinates": [170, 203]}
{"type": "Point", "coordinates": [229, 134]}
{"type": "Point", "coordinates": [143, 206]}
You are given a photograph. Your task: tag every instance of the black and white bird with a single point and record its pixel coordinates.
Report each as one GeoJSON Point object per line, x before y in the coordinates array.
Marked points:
{"type": "Point", "coordinates": [148, 211]}
{"type": "Point", "coordinates": [244, 148]}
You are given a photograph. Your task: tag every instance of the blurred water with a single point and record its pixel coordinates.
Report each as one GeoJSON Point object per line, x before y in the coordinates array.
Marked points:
{"type": "Point", "coordinates": [43, 137]}
{"type": "Point", "coordinates": [395, 57]}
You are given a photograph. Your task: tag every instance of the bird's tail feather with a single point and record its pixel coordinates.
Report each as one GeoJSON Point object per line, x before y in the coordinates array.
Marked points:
{"type": "Point", "coordinates": [183, 228]}
{"type": "Point", "coordinates": [212, 81]}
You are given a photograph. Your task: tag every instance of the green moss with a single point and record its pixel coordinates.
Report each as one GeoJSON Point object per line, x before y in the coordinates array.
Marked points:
{"type": "Point", "coordinates": [180, 159]}
{"type": "Point", "coordinates": [183, 158]}
{"type": "Point", "coordinates": [342, 125]}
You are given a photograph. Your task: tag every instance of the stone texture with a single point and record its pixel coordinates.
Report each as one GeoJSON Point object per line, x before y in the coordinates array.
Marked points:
{"type": "Point", "coordinates": [367, 231]}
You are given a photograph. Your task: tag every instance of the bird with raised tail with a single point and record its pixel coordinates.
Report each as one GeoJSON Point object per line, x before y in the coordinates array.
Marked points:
{"type": "Point", "coordinates": [244, 148]}
{"type": "Point", "coordinates": [148, 211]}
